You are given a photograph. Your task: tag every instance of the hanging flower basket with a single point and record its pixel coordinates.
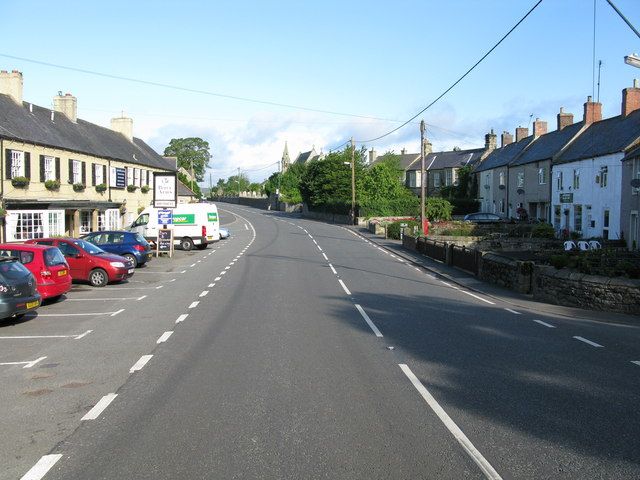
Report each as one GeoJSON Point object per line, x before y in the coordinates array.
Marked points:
{"type": "Point", "coordinates": [20, 182]}
{"type": "Point", "coordinates": [79, 187]}
{"type": "Point", "coordinates": [101, 188]}
{"type": "Point", "coordinates": [53, 185]}
{"type": "Point", "coordinates": [131, 188]}
{"type": "Point", "coordinates": [144, 188]}
{"type": "Point", "coordinates": [3, 212]}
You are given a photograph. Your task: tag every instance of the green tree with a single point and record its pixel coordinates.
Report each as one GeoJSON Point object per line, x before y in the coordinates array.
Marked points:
{"type": "Point", "coordinates": [192, 152]}
{"type": "Point", "coordinates": [192, 185]}
{"type": "Point", "coordinates": [437, 209]}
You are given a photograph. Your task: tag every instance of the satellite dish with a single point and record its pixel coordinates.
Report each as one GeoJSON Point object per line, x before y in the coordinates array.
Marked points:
{"type": "Point", "coordinates": [635, 183]}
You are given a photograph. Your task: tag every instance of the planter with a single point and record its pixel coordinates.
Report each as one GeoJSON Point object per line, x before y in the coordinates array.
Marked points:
{"type": "Point", "coordinates": [131, 188]}
{"type": "Point", "coordinates": [20, 182]}
{"type": "Point", "coordinates": [53, 185]}
{"type": "Point", "coordinates": [101, 188]}
{"type": "Point", "coordinates": [79, 187]}
{"type": "Point", "coordinates": [144, 189]}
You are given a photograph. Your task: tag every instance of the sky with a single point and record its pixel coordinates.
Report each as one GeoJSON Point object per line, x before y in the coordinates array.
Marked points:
{"type": "Point", "coordinates": [373, 64]}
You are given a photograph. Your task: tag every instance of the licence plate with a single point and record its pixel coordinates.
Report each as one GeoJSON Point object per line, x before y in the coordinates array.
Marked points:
{"type": "Point", "coordinates": [130, 270]}
{"type": "Point", "coordinates": [209, 238]}
{"type": "Point", "coordinates": [62, 273]}
{"type": "Point", "coordinates": [33, 304]}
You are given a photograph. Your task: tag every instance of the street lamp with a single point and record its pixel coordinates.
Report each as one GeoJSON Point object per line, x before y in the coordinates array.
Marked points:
{"type": "Point", "coordinates": [633, 60]}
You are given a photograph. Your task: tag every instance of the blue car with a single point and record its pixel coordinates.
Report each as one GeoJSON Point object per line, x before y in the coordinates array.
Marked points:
{"type": "Point", "coordinates": [127, 244]}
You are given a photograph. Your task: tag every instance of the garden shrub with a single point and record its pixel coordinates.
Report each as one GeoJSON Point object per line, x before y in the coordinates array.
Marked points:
{"type": "Point", "coordinates": [543, 230]}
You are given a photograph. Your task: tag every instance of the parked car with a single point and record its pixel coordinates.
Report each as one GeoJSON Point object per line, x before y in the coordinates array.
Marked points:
{"type": "Point", "coordinates": [482, 217]}
{"type": "Point", "coordinates": [18, 293]}
{"type": "Point", "coordinates": [130, 245]}
{"type": "Point", "coordinates": [88, 262]}
{"type": "Point", "coordinates": [46, 263]}
{"type": "Point", "coordinates": [224, 232]}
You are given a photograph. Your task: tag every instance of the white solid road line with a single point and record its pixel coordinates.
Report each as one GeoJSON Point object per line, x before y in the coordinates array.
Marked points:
{"type": "Point", "coordinates": [319, 248]}
{"type": "Point", "coordinates": [478, 297]}
{"type": "Point", "coordinates": [588, 342]}
{"type": "Point", "coordinates": [100, 407]}
{"type": "Point", "coordinates": [325, 256]}
{"type": "Point", "coordinates": [27, 364]}
{"type": "Point", "coordinates": [113, 314]}
{"type": "Point", "coordinates": [344, 287]}
{"type": "Point", "coordinates": [182, 317]}
{"type": "Point", "coordinates": [82, 335]}
{"type": "Point", "coordinates": [30, 337]}
{"type": "Point", "coordinates": [368, 320]}
{"type": "Point", "coordinates": [140, 363]}
{"type": "Point", "coordinates": [512, 311]}
{"type": "Point", "coordinates": [110, 299]}
{"type": "Point", "coordinates": [637, 362]}
{"type": "Point", "coordinates": [164, 337]}
{"type": "Point", "coordinates": [140, 298]}
{"type": "Point", "coordinates": [548, 325]}
{"type": "Point", "coordinates": [458, 434]}
{"type": "Point", "coordinates": [333, 269]}
{"type": "Point", "coordinates": [194, 305]}
{"type": "Point", "coordinates": [40, 469]}
{"type": "Point", "coordinates": [217, 278]}
{"type": "Point", "coordinates": [116, 313]}
{"type": "Point", "coordinates": [204, 293]}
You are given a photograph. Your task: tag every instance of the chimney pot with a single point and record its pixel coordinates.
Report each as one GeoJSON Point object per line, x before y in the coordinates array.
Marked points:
{"type": "Point", "coordinates": [490, 141]}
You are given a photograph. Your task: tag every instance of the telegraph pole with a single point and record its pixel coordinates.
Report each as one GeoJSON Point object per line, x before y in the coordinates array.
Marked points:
{"type": "Point", "coordinates": [353, 183]}
{"type": "Point", "coordinates": [238, 182]}
{"type": "Point", "coordinates": [423, 220]}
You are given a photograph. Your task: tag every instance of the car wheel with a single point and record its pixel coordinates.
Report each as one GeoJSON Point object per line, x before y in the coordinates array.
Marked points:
{"type": "Point", "coordinates": [130, 256]}
{"type": "Point", "coordinates": [202, 246]}
{"type": "Point", "coordinates": [186, 244]}
{"type": "Point", "coordinates": [98, 277]}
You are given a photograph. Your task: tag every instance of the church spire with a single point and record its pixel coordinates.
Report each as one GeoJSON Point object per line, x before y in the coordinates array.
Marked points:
{"type": "Point", "coordinates": [285, 158]}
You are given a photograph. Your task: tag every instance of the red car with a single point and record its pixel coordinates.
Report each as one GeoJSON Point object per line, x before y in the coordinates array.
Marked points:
{"type": "Point", "coordinates": [47, 265]}
{"type": "Point", "coordinates": [88, 262]}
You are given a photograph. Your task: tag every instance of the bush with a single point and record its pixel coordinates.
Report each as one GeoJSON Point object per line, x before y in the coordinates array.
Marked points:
{"type": "Point", "coordinates": [393, 229]}
{"type": "Point", "coordinates": [543, 230]}
{"type": "Point", "coordinates": [462, 206]}
{"type": "Point", "coordinates": [438, 209]}
{"type": "Point", "coordinates": [559, 261]}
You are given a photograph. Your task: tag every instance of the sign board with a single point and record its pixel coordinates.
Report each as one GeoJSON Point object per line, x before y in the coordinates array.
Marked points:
{"type": "Point", "coordinates": [165, 217]}
{"type": "Point", "coordinates": [566, 198]}
{"type": "Point", "coordinates": [165, 190]}
{"type": "Point", "coordinates": [212, 216]}
{"type": "Point", "coordinates": [117, 177]}
{"type": "Point", "coordinates": [164, 244]}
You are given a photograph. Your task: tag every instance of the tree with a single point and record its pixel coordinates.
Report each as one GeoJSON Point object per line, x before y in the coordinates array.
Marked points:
{"type": "Point", "coordinates": [191, 153]}
{"type": "Point", "coordinates": [192, 185]}
{"type": "Point", "coordinates": [437, 209]}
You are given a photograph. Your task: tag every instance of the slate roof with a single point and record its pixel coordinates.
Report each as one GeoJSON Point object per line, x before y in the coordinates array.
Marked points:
{"type": "Point", "coordinates": [633, 153]}
{"type": "Point", "coordinates": [607, 136]}
{"type": "Point", "coordinates": [184, 191]}
{"type": "Point", "coordinates": [304, 157]}
{"type": "Point", "coordinates": [407, 160]}
{"type": "Point", "coordinates": [18, 123]}
{"type": "Point", "coordinates": [547, 145]}
{"type": "Point", "coordinates": [453, 159]}
{"type": "Point", "coordinates": [504, 155]}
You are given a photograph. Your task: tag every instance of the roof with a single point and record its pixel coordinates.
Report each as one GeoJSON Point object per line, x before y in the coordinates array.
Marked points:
{"type": "Point", "coordinates": [304, 157]}
{"type": "Point", "coordinates": [504, 155]}
{"type": "Point", "coordinates": [184, 191]}
{"type": "Point", "coordinates": [605, 137]}
{"type": "Point", "coordinates": [32, 124]}
{"type": "Point", "coordinates": [548, 145]}
{"type": "Point", "coordinates": [632, 154]}
{"type": "Point", "coordinates": [453, 158]}
{"type": "Point", "coordinates": [406, 160]}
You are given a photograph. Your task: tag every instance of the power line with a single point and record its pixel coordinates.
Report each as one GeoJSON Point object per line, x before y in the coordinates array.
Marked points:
{"type": "Point", "coordinates": [457, 81]}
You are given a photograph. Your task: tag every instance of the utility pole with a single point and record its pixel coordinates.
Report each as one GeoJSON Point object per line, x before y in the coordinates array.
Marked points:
{"type": "Point", "coordinates": [423, 220]}
{"type": "Point", "coordinates": [353, 183]}
{"type": "Point", "coordinates": [238, 182]}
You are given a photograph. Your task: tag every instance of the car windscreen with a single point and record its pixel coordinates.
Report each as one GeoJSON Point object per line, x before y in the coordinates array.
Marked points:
{"type": "Point", "coordinates": [90, 248]}
{"type": "Point", "coordinates": [12, 270]}
{"type": "Point", "coordinates": [53, 257]}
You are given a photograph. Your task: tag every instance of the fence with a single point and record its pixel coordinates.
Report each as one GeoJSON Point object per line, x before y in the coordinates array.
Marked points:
{"type": "Point", "coordinates": [434, 249]}
{"type": "Point", "coordinates": [465, 258]}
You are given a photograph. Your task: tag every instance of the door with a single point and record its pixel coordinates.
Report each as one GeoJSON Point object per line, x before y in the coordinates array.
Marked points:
{"type": "Point", "coordinates": [633, 230]}
{"type": "Point", "coordinates": [605, 223]}
{"type": "Point", "coordinates": [77, 265]}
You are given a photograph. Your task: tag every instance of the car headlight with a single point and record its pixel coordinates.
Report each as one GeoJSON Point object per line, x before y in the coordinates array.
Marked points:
{"type": "Point", "coordinates": [117, 264]}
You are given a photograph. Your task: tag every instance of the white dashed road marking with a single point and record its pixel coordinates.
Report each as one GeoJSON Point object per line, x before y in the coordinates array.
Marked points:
{"type": "Point", "coordinates": [344, 287]}
{"type": "Point", "coordinates": [164, 337]}
{"type": "Point", "coordinates": [513, 311]}
{"type": "Point", "coordinates": [368, 320]}
{"type": "Point", "coordinates": [140, 363]}
{"type": "Point", "coordinates": [204, 293]}
{"type": "Point", "coordinates": [548, 325]}
{"type": "Point", "coordinates": [182, 317]}
{"type": "Point", "coordinates": [40, 469]}
{"type": "Point", "coordinates": [588, 342]}
{"type": "Point", "coordinates": [100, 407]}
{"type": "Point", "coordinates": [333, 269]}
{"type": "Point", "coordinates": [194, 305]}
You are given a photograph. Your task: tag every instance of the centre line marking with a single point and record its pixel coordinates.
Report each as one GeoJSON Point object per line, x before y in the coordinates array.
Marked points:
{"type": "Point", "coordinates": [164, 337]}
{"type": "Point", "coordinates": [458, 434]}
{"type": "Point", "coordinates": [183, 271]}
{"type": "Point", "coordinates": [82, 335]}
{"type": "Point", "coordinates": [116, 313]}
{"type": "Point", "coordinates": [513, 311]}
{"type": "Point", "coordinates": [325, 256]}
{"type": "Point", "coordinates": [100, 407]}
{"type": "Point", "coordinates": [192, 265]}
{"type": "Point", "coordinates": [344, 287]}
{"type": "Point", "coordinates": [333, 269]}
{"type": "Point", "coordinates": [548, 325]}
{"type": "Point", "coordinates": [319, 248]}
{"type": "Point", "coordinates": [204, 292]}
{"type": "Point", "coordinates": [217, 279]}
{"type": "Point", "coordinates": [588, 342]}
{"type": "Point", "coordinates": [182, 317]}
{"type": "Point", "coordinates": [478, 297]}
{"type": "Point", "coordinates": [636, 362]}
{"type": "Point", "coordinates": [159, 287]}
{"type": "Point", "coordinates": [211, 285]}
{"type": "Point", "coordinates": [140, 363]}
{"type": "Point", "coordinates": [140, 298]}
{"type": "Point", "coordinates": [40, 469]}
{"type": "Point", "coordinates": [368, 320]}
{"type": "Point", "coordinates": [222, 273]}
{"type": "Point", "coordinates": [227, 267]}
{"type": "Point", "coordinates": [194, 305]}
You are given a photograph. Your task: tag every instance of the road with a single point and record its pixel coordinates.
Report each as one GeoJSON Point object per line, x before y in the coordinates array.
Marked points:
{"type": "Point", "coordinates": [301, 350]}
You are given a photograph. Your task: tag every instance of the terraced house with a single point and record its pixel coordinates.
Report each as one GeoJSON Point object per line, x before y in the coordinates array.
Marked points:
{"type": "Point", "coordinates": [65, 176]}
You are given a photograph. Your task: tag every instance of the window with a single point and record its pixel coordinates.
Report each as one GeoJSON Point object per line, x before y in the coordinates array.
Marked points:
{"type": "Point", "coordinates": [76, 171]}
{"type": "Point", "coordinates": [448, 179]}
{"type": "Point", "coordinates": [501, 176]}
{"type": "Point", "coordinates": [577, 218]}
{"type": "Point", "coordinates": [150, 180]}
{"type": "Point", "coordinates": [576, 179]}
{"type": "Point", "coordinates": [542, 175]}
{"type": "Point", "coordinates": [85, 221]}
{"type": "Point", "coordinates": [17, 164]}
{"type": "Point", "coordinates": [67, 250]}
{"type": "Point", "coordinates": [24, 257]}
{"type": "Point", "coordinates": [28, 225]}
{"type": "Point", "coordinates": [411, 179]}
{"type": "Point", "coordinates": [142, 220]}
{"type": "Point", "coordinates": [521, 180]}
{"type": "Point", "coordinates": [502, 205]}
{"type": "Point", "coordinates": [559, 184]}
{"type": "Point", "coordinates": [136, 176]}
{"type": "Point", "coordinates": [605, 224]}
{"type": "Point", "coordinates": [486, 181]}
{"type": "Point", "coordinates": [436, 179]}
{"type": "Point", "coordinates": [56, 223]}
{"type": "Point", "coordinates": [49, 168]}
{"type": "Point", "coordinates": [604, 176]}
{"type": "Point", "coordinates": [144, 180]}
{"type": "Point", "coordinates": [116, 238]}
{"type": "Point", "coordinates": [557, 217]}
{"type": "Point", "coordinates": [98, 173]}
{"type": "Point", "coordinates": [113, 219]}
{"type": "Point", "coordinates": [129, 176]}
{"type": "Point", "coordinates": [635, 174]}
{"type": "Point", "coordinates": [53, 257]}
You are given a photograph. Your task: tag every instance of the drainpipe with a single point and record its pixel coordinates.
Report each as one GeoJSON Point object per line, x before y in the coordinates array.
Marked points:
{"type": "Point", "coordinates": [108, 179]}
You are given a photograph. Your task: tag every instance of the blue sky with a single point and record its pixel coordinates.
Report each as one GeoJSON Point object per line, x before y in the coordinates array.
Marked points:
{"type": "Point", "coordinates": [375, 58]}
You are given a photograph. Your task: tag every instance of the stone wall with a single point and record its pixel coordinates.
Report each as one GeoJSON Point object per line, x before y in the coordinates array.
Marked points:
{"type": "Point", "coordinates": [327, 217]}
{"type": "Point", "coordinates": [570, 288]}
{"type": "Point", "coordinates": [506, 272]}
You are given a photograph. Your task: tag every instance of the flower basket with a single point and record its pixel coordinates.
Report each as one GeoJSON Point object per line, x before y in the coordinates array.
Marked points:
{"type": "Point", "coordinates": [3, 212]}
{"type": "Point", "coordinates": [131, 188]}
{"type": "Point", "coordinates": [101, 188]}
{"type": "Point", "coordinates": [79, 187]}
{"type": "Point", "coordinates": [52, 185]}
{"type": "Point", "coordinates": [20, 182]}
{"type": "Point", "coordinates": [144, 188]}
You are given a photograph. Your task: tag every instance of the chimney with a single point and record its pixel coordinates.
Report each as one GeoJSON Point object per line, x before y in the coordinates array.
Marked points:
{"type": "Point", "coordinates": [123, 125]}
{"type": "Point", "coordinates": [592, 111]}
{"type": "Point", "coordinates": [403, 151]}
{"type": "Point", "coordinates": [539, 128]}
{"type": "Point", "coordinates": [427, 147]}
{"type": "Point", "coordinates": [372, 156]}
{"type": "Point", "coordinates": [490, 141]}
{"type": "Point", "coordinates": [67, 104]}
{"type": "Point", "coordinates": [11, 85]}
{"type": "Point", "coordinates": [631, 98]}
{"type": "Point", "coordinates": [564, 119]}
{"type": "Point", "coordinates": [506, 138]}
{"type": "Point", "coordinates": [521, 132]}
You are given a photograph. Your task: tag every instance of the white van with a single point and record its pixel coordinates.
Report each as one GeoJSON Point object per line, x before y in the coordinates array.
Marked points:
{"type": "Point", "coordinates": [194, 224]}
